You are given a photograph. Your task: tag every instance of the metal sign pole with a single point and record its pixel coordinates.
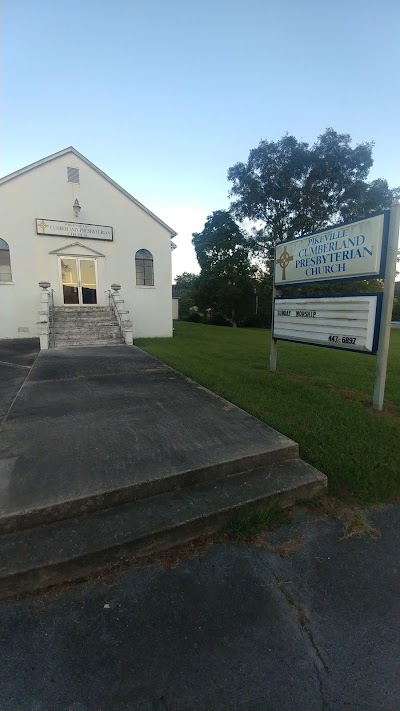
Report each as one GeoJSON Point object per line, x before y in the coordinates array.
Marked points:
{"type": "Point", "coordinates": [274, 342]}
{"type": "Point", "coordinates": [387, 306]}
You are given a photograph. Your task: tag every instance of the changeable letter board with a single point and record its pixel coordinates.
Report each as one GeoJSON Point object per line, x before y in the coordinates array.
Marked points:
{"type": "Point", "coordinates": [345, 322]}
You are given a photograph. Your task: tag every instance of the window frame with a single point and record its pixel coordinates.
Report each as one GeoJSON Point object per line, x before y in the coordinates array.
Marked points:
{"type": "Point", "coordinates": [142, 264]}
{"type": "Point", "coordinates": [7, 250]}
{"type": "Point", "coordinates": [71, 174]}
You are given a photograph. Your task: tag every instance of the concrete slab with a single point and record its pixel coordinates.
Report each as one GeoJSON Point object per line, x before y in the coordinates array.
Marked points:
{"type": "Point", "coordinates": [74, 548]}
{"type": "Point", "coordinates": [94, 421]}
{"type": "Point", "coordinates": [242, 629]}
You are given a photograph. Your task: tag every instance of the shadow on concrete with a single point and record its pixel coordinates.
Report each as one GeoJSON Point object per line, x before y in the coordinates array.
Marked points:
{"type": "Point", "coordinates": [20, 351]}
{"type": "Point", "coordinates": [17, 355]}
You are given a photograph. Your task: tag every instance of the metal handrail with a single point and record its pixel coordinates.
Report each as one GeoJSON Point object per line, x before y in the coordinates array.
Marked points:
{"type": "Point", "coordinates": [124, 323]}
{"type": "Point", "coordinates": [51, 318]}
{"type": "Point", "coordinates": [114, 308]}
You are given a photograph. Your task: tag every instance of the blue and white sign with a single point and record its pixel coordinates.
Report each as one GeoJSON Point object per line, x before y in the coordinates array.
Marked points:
{"type": "Point", "coordinates": [347, 322]}
{"type": "Point", "coordinates": [352, 251]}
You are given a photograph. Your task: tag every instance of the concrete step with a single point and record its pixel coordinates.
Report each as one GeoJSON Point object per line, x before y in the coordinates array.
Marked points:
{"type": "Point", "coordinates": [84, 318]}
{"type": "Point", "coordinates": [84, 322]}
{"type": "Point", "coordinates": [89, 334]}
{"type": "Point", "coordinates": [74, 548]}
{"type": "Point", "coordinates": [103, 330]}
{"type": "Point", "coordinates": [86, 315]}
{"type": "Point", "coordinates": [87, 337]}
{"type": "Point", "coordinates": [91, 330]}
{"type": "Point", "coordinates": [143, 483]}
{"type": "Point", "coordinates": [88, 343]}
{"type": "Point", "coordinates": [81, 309]}
{"type": "Point", "coordinates": [77, 313]}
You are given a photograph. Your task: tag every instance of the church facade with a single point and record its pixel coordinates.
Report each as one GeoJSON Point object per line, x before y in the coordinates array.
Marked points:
{"type": "Point", "coordinates": [65, 223]}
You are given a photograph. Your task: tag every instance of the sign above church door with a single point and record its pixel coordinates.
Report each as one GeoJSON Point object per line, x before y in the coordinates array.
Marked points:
{"type": "Point", "coordinates": [59, 228]}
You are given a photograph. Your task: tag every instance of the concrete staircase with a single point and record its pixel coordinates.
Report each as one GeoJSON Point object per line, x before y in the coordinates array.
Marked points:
{"type": "Point", "coordinates": [75, 326]}
{"type": "Point", "coordinates": [76, 539]}
{"type": "Point", "coordinates": [49, 552]}
{"type": "Point", "coordinates": [110, 454]}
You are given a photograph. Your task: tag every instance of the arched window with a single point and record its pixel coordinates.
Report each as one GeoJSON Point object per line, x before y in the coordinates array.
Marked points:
{"type": "Point", "coordinates": [5, 262]}
{"type": "Point", "coordinates": [144, 268]}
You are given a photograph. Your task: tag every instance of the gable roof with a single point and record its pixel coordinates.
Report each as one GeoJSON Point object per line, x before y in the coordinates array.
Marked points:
{"type": "Point", "coordinates": [73, 150]}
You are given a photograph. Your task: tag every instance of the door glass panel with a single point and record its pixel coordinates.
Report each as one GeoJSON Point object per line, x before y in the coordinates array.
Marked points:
{"type": "Point", "coordinates": [69, 274]}
{"type": "Point", "coordinates": [88, 281]}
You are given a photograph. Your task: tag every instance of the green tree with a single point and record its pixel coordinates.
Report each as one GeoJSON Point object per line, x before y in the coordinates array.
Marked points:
{"type": "Point", "coordinates": [288, 188]}
{"type": "Point", "coordinates": [185, 289]}
{"type": "Point", "coordinates": [185, 282]}
{"type": "Point", "coordinates": [225, 281]}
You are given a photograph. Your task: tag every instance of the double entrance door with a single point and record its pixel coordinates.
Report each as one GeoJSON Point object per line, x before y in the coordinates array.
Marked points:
{"type": "Point", "coordinates": [79, 280]}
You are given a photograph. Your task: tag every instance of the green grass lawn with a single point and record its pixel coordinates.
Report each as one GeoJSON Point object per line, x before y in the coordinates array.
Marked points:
{"type": "Point", "coordinates": [319, 397]}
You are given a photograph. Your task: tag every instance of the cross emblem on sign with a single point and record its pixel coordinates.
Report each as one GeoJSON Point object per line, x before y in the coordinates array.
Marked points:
{"type": "Point", "coordinates": [284, 261]}
{"type": "Point", "coordinates": [43, 225]}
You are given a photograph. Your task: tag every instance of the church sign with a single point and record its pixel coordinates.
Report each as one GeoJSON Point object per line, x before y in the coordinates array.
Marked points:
{"type": "Point", "coordinates": [355, 250]}
{"type": "Point", "coordinates": [73, 229]}
{"type": "Point", "coordinates": [345, 322]}
{"type": "Point", "coordinates": [365, 248]}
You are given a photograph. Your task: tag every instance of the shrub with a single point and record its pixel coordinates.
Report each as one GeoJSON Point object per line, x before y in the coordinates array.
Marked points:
{"type": "Point", "coordinates": [255, 321]}
{"type": "Point", "coordinates": [194, 317]}
{"type": "Point", "coordinates": [219, 320]}
{"type": "Point", "coordinates": [396, 311]}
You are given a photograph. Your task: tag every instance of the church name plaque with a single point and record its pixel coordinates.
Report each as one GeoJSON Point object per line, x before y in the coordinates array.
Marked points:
{"type": "Point", "coordinates": [351, 251]}
{"type": "Point", "coordinates": [59, 228]}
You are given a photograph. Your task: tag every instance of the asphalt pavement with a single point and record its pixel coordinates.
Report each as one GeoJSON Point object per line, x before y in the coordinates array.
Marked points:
{"type": "Point", "coordinates": [307, 621]}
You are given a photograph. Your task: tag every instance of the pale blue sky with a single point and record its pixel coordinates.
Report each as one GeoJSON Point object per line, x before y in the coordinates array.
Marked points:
{"type": "Point", "coordinates": [165, 95]}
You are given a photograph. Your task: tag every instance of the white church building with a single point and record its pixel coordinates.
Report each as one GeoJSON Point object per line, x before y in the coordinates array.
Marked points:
{"type": "Point", "coordinates": [82, 262]}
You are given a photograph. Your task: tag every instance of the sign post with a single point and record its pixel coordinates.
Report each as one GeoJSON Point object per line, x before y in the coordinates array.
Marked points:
{"type": "Point", "coordinates": [274, 343]}
{"type": "Point", "coordinates": [387, 306]}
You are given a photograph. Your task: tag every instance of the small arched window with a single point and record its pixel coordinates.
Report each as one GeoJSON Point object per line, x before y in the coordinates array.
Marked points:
{"type": "Point", "coordinates": [144, 268]}
{"type": "Point", "coordinates": [5, 262]}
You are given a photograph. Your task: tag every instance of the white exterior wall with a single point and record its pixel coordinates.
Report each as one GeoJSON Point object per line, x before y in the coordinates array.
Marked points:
{"type": "Point", "coordinates": [44, 192]}
{"type": "Point", "coordinates": [175, 309]}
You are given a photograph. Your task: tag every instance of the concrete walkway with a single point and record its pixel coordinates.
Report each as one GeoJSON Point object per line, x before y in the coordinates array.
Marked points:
{"type": "Point", "coordinates": [242, 629]}
{"type": "Point", "coordinates": [89, 422]}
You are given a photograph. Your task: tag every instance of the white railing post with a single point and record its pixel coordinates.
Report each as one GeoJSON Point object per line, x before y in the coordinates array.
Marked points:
{"type": "Point", "coordinates": [125, 323]}
{"type": "Point", "coordinates": [117, 296]}
{"type": "Point", "coordinates": [128, 332]}
{"type": "Point", "coordinates": [44, 315]}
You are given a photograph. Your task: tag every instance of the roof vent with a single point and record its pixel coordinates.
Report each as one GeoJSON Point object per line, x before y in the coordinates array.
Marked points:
{"type": "Point", "coordinates": [73, 175]}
